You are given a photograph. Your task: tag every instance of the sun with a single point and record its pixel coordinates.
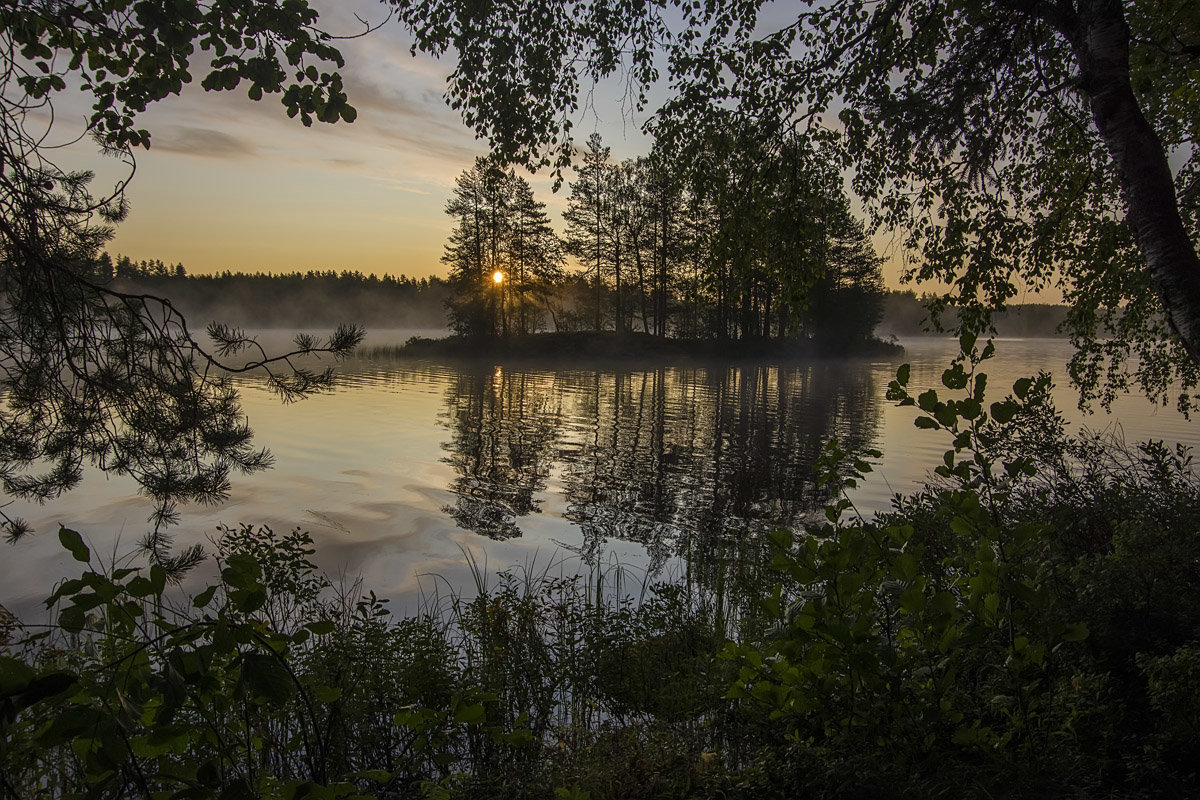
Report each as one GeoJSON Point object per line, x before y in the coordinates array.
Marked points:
{"type": "Point", "coordinates": [498, 276]}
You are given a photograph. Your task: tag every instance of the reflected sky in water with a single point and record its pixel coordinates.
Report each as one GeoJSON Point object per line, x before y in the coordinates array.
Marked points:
{"type": "Point", "coordinates": [679, 469]}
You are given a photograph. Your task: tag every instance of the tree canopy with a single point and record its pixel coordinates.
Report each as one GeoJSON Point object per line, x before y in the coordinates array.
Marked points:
{"type": "Point", "coordinates": [1022, 144]}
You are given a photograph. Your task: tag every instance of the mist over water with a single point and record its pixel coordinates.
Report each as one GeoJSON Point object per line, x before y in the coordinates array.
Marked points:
{"type": "Point", "coordinates": [672, 471]}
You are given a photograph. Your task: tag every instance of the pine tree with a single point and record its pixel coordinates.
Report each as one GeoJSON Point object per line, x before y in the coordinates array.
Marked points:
{"type": "Point", "coordinates": [587, 210]}
{"type": "Point", "coordinates": [536, 257]}
{"type": "Point", "coordinates": [481, 202]}
{"type": "Point", "coordinates": [504, 257]}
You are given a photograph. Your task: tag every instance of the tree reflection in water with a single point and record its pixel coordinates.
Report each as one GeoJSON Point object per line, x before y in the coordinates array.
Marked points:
{"type": "Point", "coordinates": [504, 428]}
{"type": "Point", "coordinates": [696, 462]}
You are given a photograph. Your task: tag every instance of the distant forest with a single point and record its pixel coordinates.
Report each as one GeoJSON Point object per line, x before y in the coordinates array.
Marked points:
{"type": "Point", "coordinates": [905, 315]}
{"type": "Point", "coordinates": [296, 300]}
{"type": "Point", "coordinates": [323, 298]}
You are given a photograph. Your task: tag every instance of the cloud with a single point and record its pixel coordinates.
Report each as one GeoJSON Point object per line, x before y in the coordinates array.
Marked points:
{"type": "Point", "coordinates": [456, 155]}
{"type": "Point", "coordinates": [414, 118]}
{"type": "Point", "coordinates": [347, 164]}
{"type": "Point", "coordinates": [202, 142]}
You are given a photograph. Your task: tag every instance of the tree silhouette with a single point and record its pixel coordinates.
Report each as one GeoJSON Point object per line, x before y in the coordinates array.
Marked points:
{"type": "Point", "coordinates": [587, 217]}
{"type": "Point", "coordinates": [536, 259]}
{"type": "Point", "coordinates": [502, 252]}
{"type": "Point", "coordinates": [763, 226]}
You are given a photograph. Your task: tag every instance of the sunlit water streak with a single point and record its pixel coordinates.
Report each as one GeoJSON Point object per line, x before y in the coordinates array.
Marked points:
{"type": "Point", "coordinates": [666, 469]}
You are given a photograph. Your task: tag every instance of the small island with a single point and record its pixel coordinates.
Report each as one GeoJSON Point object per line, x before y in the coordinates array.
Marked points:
{"type": "Point", "coordinates": [637, 346]}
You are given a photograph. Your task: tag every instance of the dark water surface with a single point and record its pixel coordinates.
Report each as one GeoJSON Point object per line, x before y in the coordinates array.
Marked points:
{"type": "Point", "coordinates": [674, 471]}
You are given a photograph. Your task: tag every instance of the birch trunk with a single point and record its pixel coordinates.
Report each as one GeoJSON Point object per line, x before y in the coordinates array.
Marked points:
{"type": "Point", "coordinates": [1101, 43]}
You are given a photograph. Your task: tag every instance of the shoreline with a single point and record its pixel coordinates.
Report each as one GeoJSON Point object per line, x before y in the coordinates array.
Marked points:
{"type": "Point", "coordinates": [609, 345]}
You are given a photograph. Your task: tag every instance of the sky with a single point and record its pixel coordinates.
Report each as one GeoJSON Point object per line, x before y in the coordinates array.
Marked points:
{"type": "Point", "coordinates": [232, 184]}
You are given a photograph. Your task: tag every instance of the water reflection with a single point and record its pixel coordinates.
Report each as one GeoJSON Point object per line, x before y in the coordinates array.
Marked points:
{"type": "Point", "coordinates": [504, 427]}
{"type": "Point", "coordinates": [693, 462]}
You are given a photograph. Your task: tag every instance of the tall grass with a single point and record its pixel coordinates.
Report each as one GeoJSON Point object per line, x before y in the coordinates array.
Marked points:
{"type": "Point", "coordinates": [532, 678]}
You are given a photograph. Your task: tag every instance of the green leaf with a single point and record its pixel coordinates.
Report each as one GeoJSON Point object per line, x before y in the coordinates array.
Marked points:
{"type": "Point", "coordinates": [1021, 387]}
{"type": "Point", "coordinates": [20, 691]}
{"type": "Point", "coordinates": [980, 387]}
{"type": "Point", "coordinates": [322, 627]}
{"type": "Point", "coordinates": [204, 598]}
{"type": "Point", "coordinates": [15, 675]}
{"type": "Point", "coordinates": [955, 378]}
{"type": "Point", "coordinates": [969, 408]}
{"type": "Point", "coordinates": [1004, 412]}
{"type": "Point", "coordinates": [71, 619]}
{"type": "Point", "coordinates": [966, 343]}
{"type": "Point", "coordinates": [376, 775]}
{"type": "Point", "coordinates": [1076, 633]}
{"type": "Point", "coordinates": [241, 571]}
{"type": "Point", "coordinates": [267, 678]}
{"type": "Point", "coordinates": [472, 714]}
{"type": "Point", "coordinates": [946, 414]}
{"type": "Point", "coordinates": [73, 542]}
{"type": "Point", "coordinates": [902, 374]}
{"type": "Point", "coordinates": [327, 694]}
{"type": "Point", "coordinates": [139, 587]}
{"type": "Point", "coordinates": [158, 578]}
{"type": "Point", "coordinates": [248, 601]}
{"type": "Point", "coordinates": [925, 422]}
{"type": "Point", "coordinates": [962, 526]}
{"type": "Point", "coordinates": [65, 589]}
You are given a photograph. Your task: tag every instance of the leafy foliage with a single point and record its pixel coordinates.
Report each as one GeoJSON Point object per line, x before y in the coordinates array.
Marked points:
{"type": "Point", "coordinates": [270, 683]}
{"type": "Point", "coordinates": [981, 637]}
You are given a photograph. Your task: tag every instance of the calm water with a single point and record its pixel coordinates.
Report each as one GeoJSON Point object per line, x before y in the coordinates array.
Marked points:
{"type": "Point", "coordinates": [669, 470]}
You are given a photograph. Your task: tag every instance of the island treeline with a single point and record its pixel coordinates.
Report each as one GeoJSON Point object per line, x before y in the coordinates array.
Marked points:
{"type": "Point", "coordinates": [760, 244]}
{"type": "Point", "coordinates": [753, 242]}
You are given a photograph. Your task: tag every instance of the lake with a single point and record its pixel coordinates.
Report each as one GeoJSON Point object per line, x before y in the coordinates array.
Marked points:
{"type": "Point", "coordinates": [669, 471]}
